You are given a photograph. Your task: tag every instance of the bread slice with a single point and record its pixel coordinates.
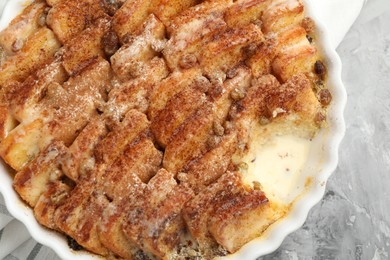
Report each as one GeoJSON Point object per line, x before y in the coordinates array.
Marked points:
{"type": "Point", "coordinates": [23, 27]}
{"type": "Point", "coordinates": [38, 50]}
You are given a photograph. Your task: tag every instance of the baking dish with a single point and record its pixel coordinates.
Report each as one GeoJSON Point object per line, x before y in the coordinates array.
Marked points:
{"type": "Point", "coordinates": [321, 163]}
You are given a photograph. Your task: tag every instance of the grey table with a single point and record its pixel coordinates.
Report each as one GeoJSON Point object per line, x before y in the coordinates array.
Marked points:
{"type": "Point", "coordinates": [353, 219]}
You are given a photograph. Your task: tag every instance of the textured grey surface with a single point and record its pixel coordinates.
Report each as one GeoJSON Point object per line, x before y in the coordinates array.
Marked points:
{"type": "Point", "coordinates": [353, 219]}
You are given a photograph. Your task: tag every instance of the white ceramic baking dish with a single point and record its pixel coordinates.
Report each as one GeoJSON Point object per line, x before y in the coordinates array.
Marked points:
{"type": "Point", "coordinates": [322, 162]}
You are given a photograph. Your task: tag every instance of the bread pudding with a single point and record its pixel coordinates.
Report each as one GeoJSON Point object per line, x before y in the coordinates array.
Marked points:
{"type": "Point", "coordinates": [133, 126]}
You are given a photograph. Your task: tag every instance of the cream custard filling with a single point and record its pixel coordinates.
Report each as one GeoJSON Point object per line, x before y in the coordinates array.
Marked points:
{"type": "Point", "coordinates": [278, 165]}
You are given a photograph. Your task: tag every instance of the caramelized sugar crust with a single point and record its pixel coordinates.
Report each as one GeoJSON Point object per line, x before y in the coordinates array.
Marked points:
{"type": "Point", "coordinates": [126, 121]}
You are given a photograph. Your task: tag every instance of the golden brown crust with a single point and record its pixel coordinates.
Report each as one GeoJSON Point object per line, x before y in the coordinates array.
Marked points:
{"type": "Point", "coordinates": [13, 148]}
{"type": "Point", "coordinates": [133, 58]}
{"type": "Point", "coordinates": [7, 122]}
{"type": "Point", "coordinates": [228, 48]}
{"type": "Point", "coordinates": [56, 193]}
{"type": "Point", "coordinates": [31, 182]}
{"type": "Point", "coordinates": [22, 98]}
{"type": "Point", "coordinates": [85, 46]}
{"type": "Point", "coordinates": [124, 26]}
{"type": "Point", "coordinates": [22, 27]}
{"type": "Point", "coordinates": [203, 171]}
{"type": "Point", "coordinates": [245, 12]}
{"type": "Point", "coordinates": [35, 53]}
{"type": "Point", "coordinates": [168, 88]}
{"type": "Point", "coordinates": [72, 104]}
{"type": "Point", "coordinates": [79, 161]}
{"type": "Point", "coordinates": [113, 144]}
{"type": "Point", "coordinates": [170, 118]}
{"type": "Point", "coordinates": [190, 140]}
{"type": "Point", "coordinates": [136, 93]}
{"type": "Point", "coordinates": [79, 216]}
{"type": "Point", "coordinates": [155, 223]}
{"type": "Point", "coordinates": [127, 121]}
{"type": "Point", "coordinates": [111, 233]}
{"type": "Point", "coordinates": [69, 18]}
{"type": "Point", "coordinates": [282, 14]}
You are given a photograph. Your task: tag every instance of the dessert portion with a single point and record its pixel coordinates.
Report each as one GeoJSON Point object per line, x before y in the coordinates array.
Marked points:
{"type": "Point", "coordinates": [129, 123]}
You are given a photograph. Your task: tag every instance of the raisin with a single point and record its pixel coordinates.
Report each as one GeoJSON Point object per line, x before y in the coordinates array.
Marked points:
{"type": "Point", "coordinates": [325, 97]}
{"type": "Point", "coordinates": [320, 69]}
{"type": "Point", "coordinates": [110, 43]}
{"type": "Point", "coordinates": [218, 129]}
{"type": "Point", "coordinates": [73, 244]}
{"type": "Point", "coordinates": [250, 50]}
{"type": "Point", "coordinates": [201, 83]}
{"type": "Point", "coordinates": [319, 119]}
{"type": "Point", "coordinates": [309, 38]}
{"type": "Point", "coordinates": [188, 61]}
{"type": "Point", "coordinates": [213, 141]}
{"type": "Point", "coordinates": [231, 73]}
{"type": "Point", "coordinates": [17, 45]}
{"type": "Point", "coordinates": [237, 94]}
{"type": "Point", "coordinates": [243, 167]}
{"type": "Point", "coordinates": [228, 126]}
{"type": "Point", "coordinates": [111, 6]}
{"type": "Point", "coordinates": [264, 120]}
{"type": "Point", "coordinates": [42, 20]}
{"type": "Point", "coordinates": [141, 255]}
{"type": "Point", "coordinates": [257, 185]}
